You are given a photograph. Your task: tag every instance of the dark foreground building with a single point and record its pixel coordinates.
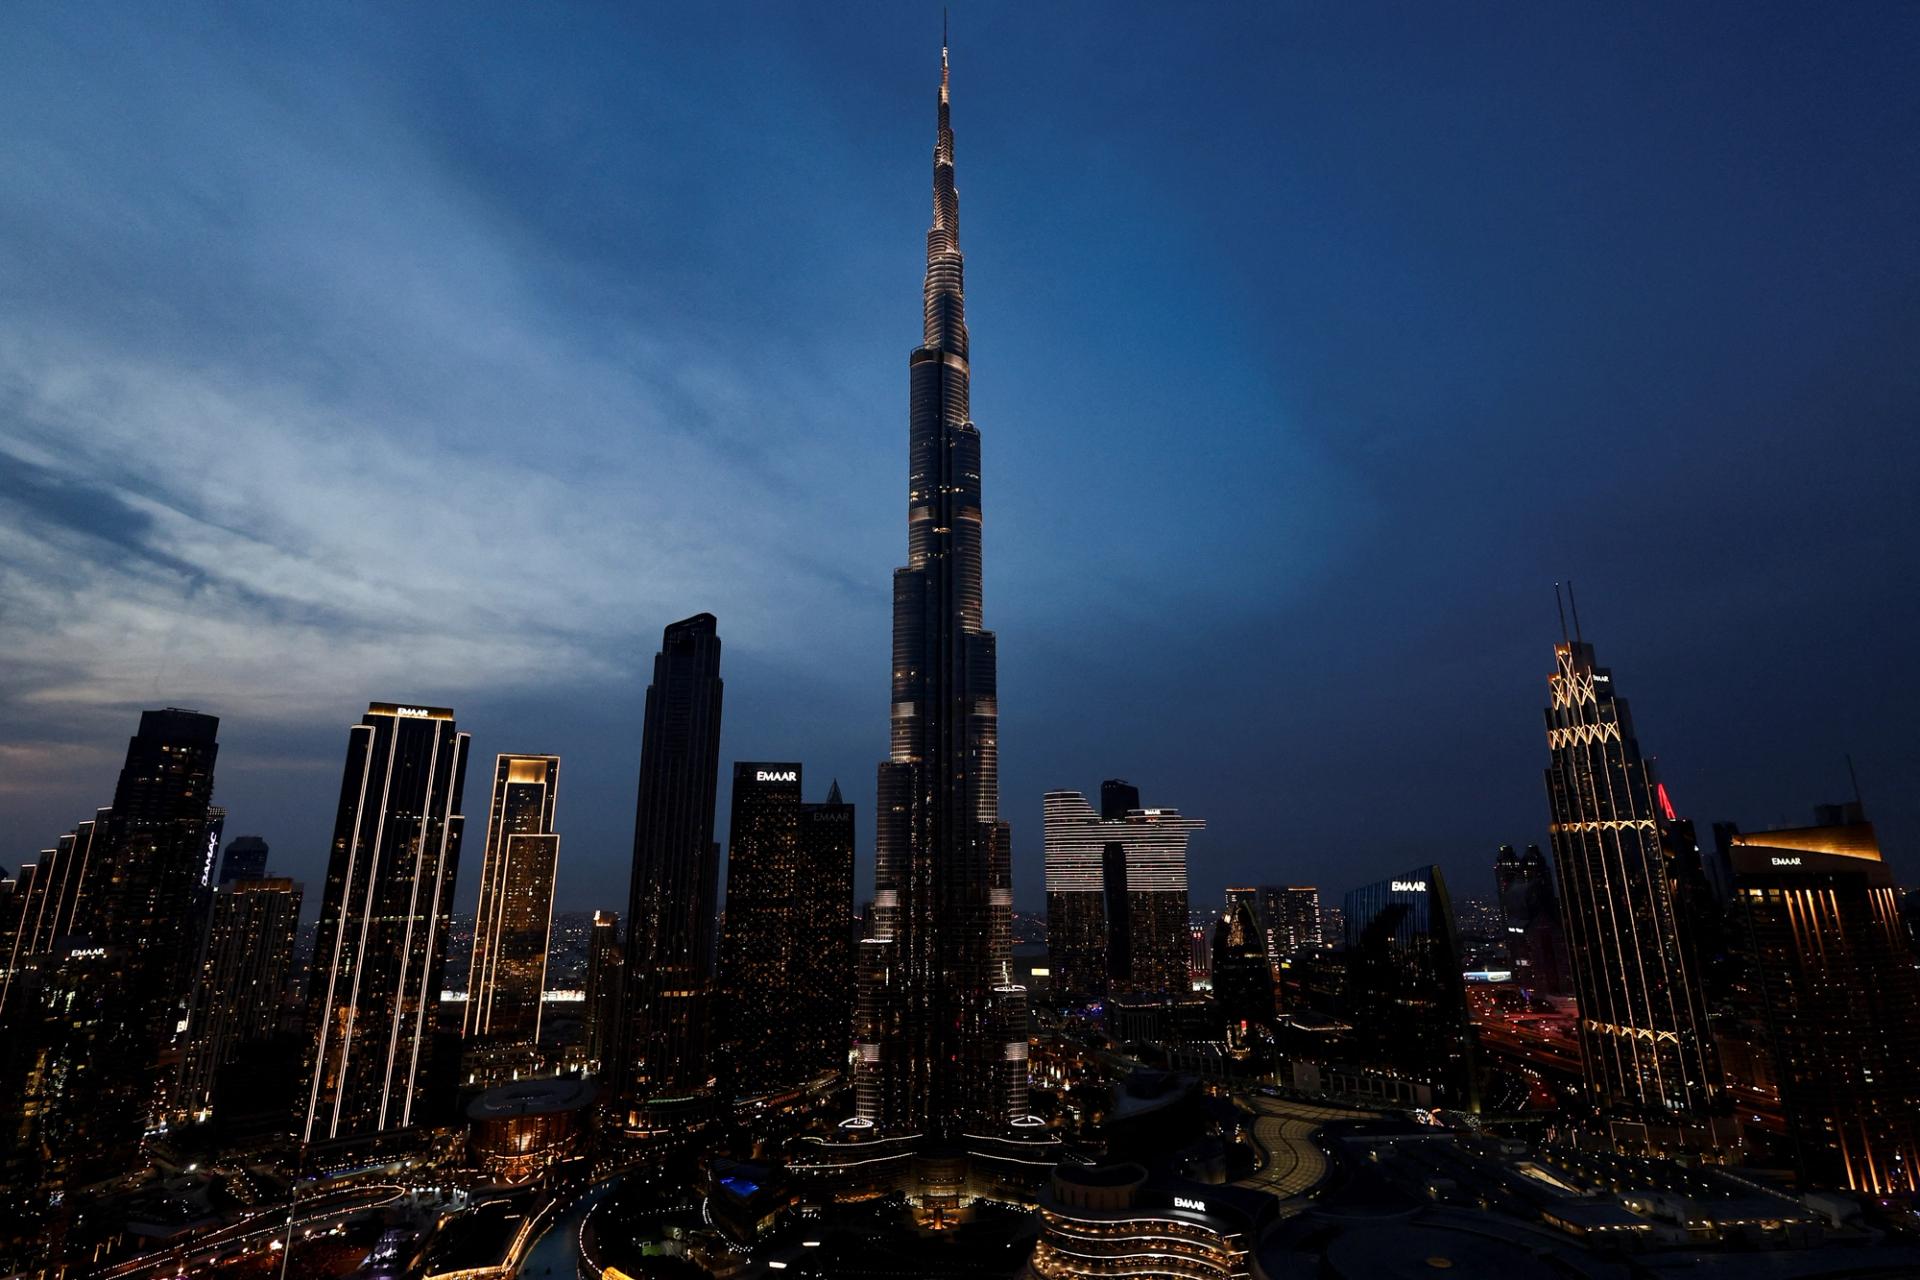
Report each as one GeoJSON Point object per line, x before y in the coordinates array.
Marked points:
{"type": "Point", "coordinates": [946, 1022]}
{"type": "Point", "coordinates": [1834, 969]}
{"type": "Point", "coordinates": [1530, 911]}
{"type": "Point", "coordinates": [786, 958]}
{"type": "Point", "coordinates": [667, 1066]}
{"type": "Point", "coordinates": [245, 966]}
{"type": "Point", "coordinates": [1405, 997]}
{"type": "Point", "coordinates": [1648, 1054]}
{"type": "Point", "coordinates": [373, 993]}
{"type": "Point", "coordinates": [97, 944]}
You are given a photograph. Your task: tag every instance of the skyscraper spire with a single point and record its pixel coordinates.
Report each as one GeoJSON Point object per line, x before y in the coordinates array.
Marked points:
{"type": "Point", "coordinates": [941, 1020]}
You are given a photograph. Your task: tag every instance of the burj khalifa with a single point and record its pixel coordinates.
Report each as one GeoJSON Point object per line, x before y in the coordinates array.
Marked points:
{"type": "Point", "coordinates": [942, 1032]}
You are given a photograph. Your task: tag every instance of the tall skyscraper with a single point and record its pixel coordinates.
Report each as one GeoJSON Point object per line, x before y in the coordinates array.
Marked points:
{"type": "Point", "coordinates": [374, 986]}
{"type": "Point", "coordinates": [1405, 996]}
{"type": "Point", "coordinates": [1530, 913]}
{"type": "Point", "coordinates": [1830, 960]}
{"type": "Point", "coordinates": [786, 959]}
{"type": "Point", "coordinates": [1645, 1043]}
{"type": "Point", "coordinates": [1116, 895]}
{"type": "Point", "coordinates": [943, 891]}
{"type": "Point", "coordinates": [667, 1066]}
{"type": "Point", "coordinates": [245, 859]}
{"type": "Point", "coordinates": [244, 969]}
{"type": "Point", "coordinates": [606, 973]}
{"type": "Point", "coordinates": [508, 972]}
{"type": "Point", "coordinates": [98, 939]}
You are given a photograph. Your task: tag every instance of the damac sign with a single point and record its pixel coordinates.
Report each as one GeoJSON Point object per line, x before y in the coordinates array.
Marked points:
{"type": "Point", "coordinates": [771, 775]}
{"type": "Point", "coordinates": [1409, 886]}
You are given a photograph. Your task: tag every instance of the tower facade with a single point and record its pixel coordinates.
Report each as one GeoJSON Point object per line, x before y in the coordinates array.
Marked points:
{"type": "Point", "coordinates": [606, 974]}
{"type": "Point", "coordinates": [1834, 970]}
{"type": "Point", "coordinates": [245, 859]}
{"type": "Point", "coordinates": [667, 1062]}
{"type": "Point", "coordinates": [1644, 1038]}
{"type": "Point", "coordinates": [373, 994]}
{"type": "Point", "coordinates": [508, 972]}
{"type": "Point", "coordinates": [786, 957]}
{"type": "Point", "coordinates": [1116, 895]}
{"type": "Point", "coordinates": [245, 966]}
{"type": "Point", "coordinates": [1404, 995]}
{"type": "Point", "coordinates": [943, 892]}
{"type": "Point", "coordinates": [1291, 916]}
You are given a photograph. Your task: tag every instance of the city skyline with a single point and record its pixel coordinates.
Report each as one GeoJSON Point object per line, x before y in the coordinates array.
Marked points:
{"type": "Point", "coordinates": [169, 570]}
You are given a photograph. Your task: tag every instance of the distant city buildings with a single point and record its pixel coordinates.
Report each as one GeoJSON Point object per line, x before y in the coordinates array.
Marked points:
{"type": "Point", "coordinates": [667, 1063]}
{"type": "Point", "coordinates": [1116, 895]}
{"type": "Point", "coordinates": [786, 957]}
{"type": "Point", "coordinates": [1530, 915]}
{"type": "Point", "coordinates": [1833, 968]}
{"type": "Point", "coordinates": [507, 974]}
{"type": "Point", "coordinates": [1648, 1055]}
{"type": "Point", "coordinates": [1405, 997]}
{"type": "Point", "coordinates": [1290, 914]}
{"type": "Point", "coordinates": [374, 985]}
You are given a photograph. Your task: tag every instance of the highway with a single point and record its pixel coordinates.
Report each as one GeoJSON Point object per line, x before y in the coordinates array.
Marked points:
{"type": "Point", "coordinates": [258, 1230]}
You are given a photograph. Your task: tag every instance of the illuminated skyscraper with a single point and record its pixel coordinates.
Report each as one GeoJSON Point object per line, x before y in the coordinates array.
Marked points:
{"type": "Point", "coordinates": [1291, 916]}
{"type": "Point", "coordinates": [243, 974]}
{"type": "Point", "coordinates": [1647, 1051]}
{"type": "Point", "coordinates": [667, 1064]}
{"type": "Point", "coordinates": [1116, 895]}
{"type": "Point", "coordinates": [508, 972]}
{"type": "Point", "coordinates": [1834, 969]}
{"type": "Point", "coordinates": [98, 941]}
{"type": "Point", "coordinates": [943, 891]}
{"type": "Point", "coordinates": [373, 994]}
{"type": "Point", "coordinates": [1242, 977]}
{"type": "Point", "coordinates": [786, 959]}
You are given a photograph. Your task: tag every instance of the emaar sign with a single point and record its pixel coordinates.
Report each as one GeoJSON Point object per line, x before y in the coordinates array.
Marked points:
{"type": "Point", "coordinates": [1409, 886]}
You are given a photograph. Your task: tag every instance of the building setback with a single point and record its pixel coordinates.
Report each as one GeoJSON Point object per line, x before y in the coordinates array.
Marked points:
{"type": "Point", "coordinates": [946, 1038]}
{"type": "Point", "coordinates": [667, 1062]}
{"type": "Point", "coordinates": [1834, 971]}
{"type": "Point", "coordinates": [1117, 920]}
{"type": "Point", "coordinates": [786, 958]}
{"type": "Point", "coordinates": [373, 994]}
{"type": "Point", "coordinates": [508, 972]}
{"type": "Point", "coordinates": [1648, 1056]}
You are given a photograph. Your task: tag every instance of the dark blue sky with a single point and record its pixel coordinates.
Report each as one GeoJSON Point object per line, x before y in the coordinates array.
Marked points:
{"type": "Point", "coordinates": [445, 354]}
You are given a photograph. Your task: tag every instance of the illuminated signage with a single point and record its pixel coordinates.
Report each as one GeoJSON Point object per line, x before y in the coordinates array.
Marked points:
{"type": "Point", "coordinates": [1409, 886]}
{"type": "Point", "coordinates": [776, 775]}
{"type": "Point", "coordinates": [1786, 862]}
{"type": "Point", "coordinates": [1183, 1202]}
{"type": "Point", "coordinates": [206, 870]}
{"type": "Point", "coordinates": [410, 711]}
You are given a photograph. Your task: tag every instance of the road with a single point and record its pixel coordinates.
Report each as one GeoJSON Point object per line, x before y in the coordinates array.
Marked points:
{"type": "Point", "coordinates": [1293, 1162]}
